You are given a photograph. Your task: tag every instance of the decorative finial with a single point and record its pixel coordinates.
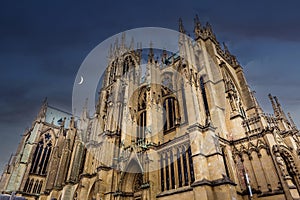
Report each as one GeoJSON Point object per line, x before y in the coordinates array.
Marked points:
{"type": "Point", "coordinates": [110, 52]}
{"type": "Point", "coordinates": [85, 109]}
{"type": "Point", "coordinates": [208, 26]}
{"type": "Point", "coordinates": [181, 27]}
{"type": "Point", "coordinates": [123, 39]}
{"type": "Point", "coordinates": [291, 120]}
{"type": "Point", "coordinates": [274, 105]}
{"type": "Point", "coordinates": [164, 57]}
{"type": "Point", "coordinates": [72, 123]}
{"type": "Point", "coordinates": [43, 110]}
{"type": "Point", "coordinates": [116, 47]}
{"type": "Point", "coordinates": [197, 26]}
{"type": "Point", "coordinates": [277, 104]}
{"type": "Point", "coordinates": [225, 48]}
{"type": "Point", "coordinates": [151, 54]}
{"type": "Point", "coordinates": [131, 44]}
{"type": "Point", "coordinates": [45, 102]}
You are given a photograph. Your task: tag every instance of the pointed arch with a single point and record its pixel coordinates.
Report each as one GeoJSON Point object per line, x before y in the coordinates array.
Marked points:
{"type": "Point", "coordinates": [132, 179]}
{"type": "Point", "coordinates": [169, 113]}
{"type": "Point", "coordinates": [128, 64]}
{"type": "Point", "coordinates": [288, 159]}
{"type": "Point", "coordinates": [92, 195]}
{"type": "Point", "coordinates": [40, 187]}
{"type": "Point", "coordinates": [26, 185]}
{"type": "Point", "coordinates": [41, 156]}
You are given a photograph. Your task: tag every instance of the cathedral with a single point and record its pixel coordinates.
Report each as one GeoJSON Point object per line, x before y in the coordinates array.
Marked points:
{"type": "Point", "coordinates": [186, 126]}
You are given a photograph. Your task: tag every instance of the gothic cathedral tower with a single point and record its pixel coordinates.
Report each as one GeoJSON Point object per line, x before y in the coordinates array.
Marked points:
{"type": "Point", "coordinates": [168, 125]}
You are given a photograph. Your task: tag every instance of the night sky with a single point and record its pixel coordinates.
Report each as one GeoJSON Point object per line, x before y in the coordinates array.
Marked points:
{"type": "Point", "coordinates": [43, 43]}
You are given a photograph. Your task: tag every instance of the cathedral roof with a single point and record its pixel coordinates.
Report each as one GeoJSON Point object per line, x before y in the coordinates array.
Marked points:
{"type": "Point", "coordinates": [56, 116]}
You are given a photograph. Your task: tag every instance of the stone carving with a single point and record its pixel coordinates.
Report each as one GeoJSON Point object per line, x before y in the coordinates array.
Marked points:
{"type": "Point", "coordinates": [138, 182]}
{"type": "Point", "coordinates": [281, 164]}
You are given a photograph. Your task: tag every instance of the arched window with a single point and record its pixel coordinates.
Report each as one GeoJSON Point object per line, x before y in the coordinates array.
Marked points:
{"type": "Point", "coordinates": [172, 170]}
{"type": "Point", "coordinates": [36, 157]}
{"type": "Point", "coordinates": [35, 186]}
{"type": "Point", "coordinates": [142, 125]}
{"type": "Point", "coordinates": [30, 186]}
{"type": "Point", "coordinates": [45, 159]}
{"type": "Point", "coordinates": [169, 113]}
{"type": "Point", "coordinates": [40, 187]}
{"type": "Point", "coordinates": [128, 63]}
{"type": "Point", "coordinates": [185, 167]}
{"type": "Point", "coordinates": [191, 166]}
{"type": "Point", "coordinates": [162, 177]}
{"type": "Point", "coordinates": [179, 159]}
{"type": "Point", "coordinates": [113, 71]}
{"type": "Point", "coordinates": [204, 96]}
{"type": "Point", "coordinates": [41, 156]}
{"type": "Point", "coordinates": [179, 168]}
{"type": "Point", "coordinates": [26, 185]}
{"type": "Point", "coordinates": [167, 172]}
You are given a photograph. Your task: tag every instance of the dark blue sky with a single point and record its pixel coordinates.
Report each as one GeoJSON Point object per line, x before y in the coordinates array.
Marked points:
{"type": "Point", "coordinates": [42, 44]}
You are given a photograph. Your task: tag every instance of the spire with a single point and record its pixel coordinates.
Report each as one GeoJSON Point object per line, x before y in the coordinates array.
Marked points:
{"type": "Point", "coordinates": [197, 26]}
{"type": "Point", "coordinates": [42, 112]}
{"type": "Point", "coordinates": [226, 48]}
{"type": "Point", "coordinates": [45, 102]}
{"type": "Point", "coordinates": [210, 32]}
{"type": "Point", "coordinates": [139, 50]}
{"type": "Point", "coordinates": [164, 57]}
{"type": "Point", "coordinates": [274, 105]}
{"type": "Point", "coordinates": [197, 21]}
{"type": "Point", "coordinates": [151, 54]}
{"type": "Point", "coordinates": [116, 47]}
{"type": "Point", "coordinates": [280, 110]}
{"type": "Point", "coordinates": [131, 47]}
{"type": "Point", "coordinates": [257, 106]}
{"type": "Point", "coordinates": [72, 123]}
{"type": "Point", "coordinates": [85, 110]}
{"type": "Point", "coordinates": [63, 121]}
{"type": "Point", "coordinates": [110, 52]}
{"type": "Point", "coordinates": [291, 120]}
{"type": "Point", "coordinates": [278, 104]}
{"type": "Point", "coordinates": [181, 27]}
{"type": "Point", "coordinates": [208, 27]}
{"type": "Point", "coordinates": [123, 39]}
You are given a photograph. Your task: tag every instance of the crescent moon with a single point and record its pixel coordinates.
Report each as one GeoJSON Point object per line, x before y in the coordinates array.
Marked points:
{"type": "Point", "coordinates": [81, 80]}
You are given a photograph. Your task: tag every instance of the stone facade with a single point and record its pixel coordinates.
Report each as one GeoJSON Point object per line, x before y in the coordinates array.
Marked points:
{"type": "Point", "coordinates": [189, 128]}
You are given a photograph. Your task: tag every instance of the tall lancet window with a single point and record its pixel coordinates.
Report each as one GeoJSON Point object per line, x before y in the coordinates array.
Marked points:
{"type": "Point", "coordinates": [142, 115]}
{"type": "Point", "coordinates": [169, 113]}
{"type": "Point", "coordinates": [128, 63]}
{"type": "Point", "coordinates": [113, 71]}
{"type": "Point", "coordinates": [204, 96]}
{"type": "Point", "coordinates": [41, 156]}
{"type": "Point", "coordinates": [142, 125]}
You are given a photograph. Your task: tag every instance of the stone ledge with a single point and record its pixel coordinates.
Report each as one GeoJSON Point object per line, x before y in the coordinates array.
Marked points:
{"type": "Point", "coordinates": [200, 127]}
{"type": "Point", "coordinates": [174, 191]}
{"type": "Point", "coordinates": [208, 155]}
{"type": "Point", "coordinates": [223, 181]}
